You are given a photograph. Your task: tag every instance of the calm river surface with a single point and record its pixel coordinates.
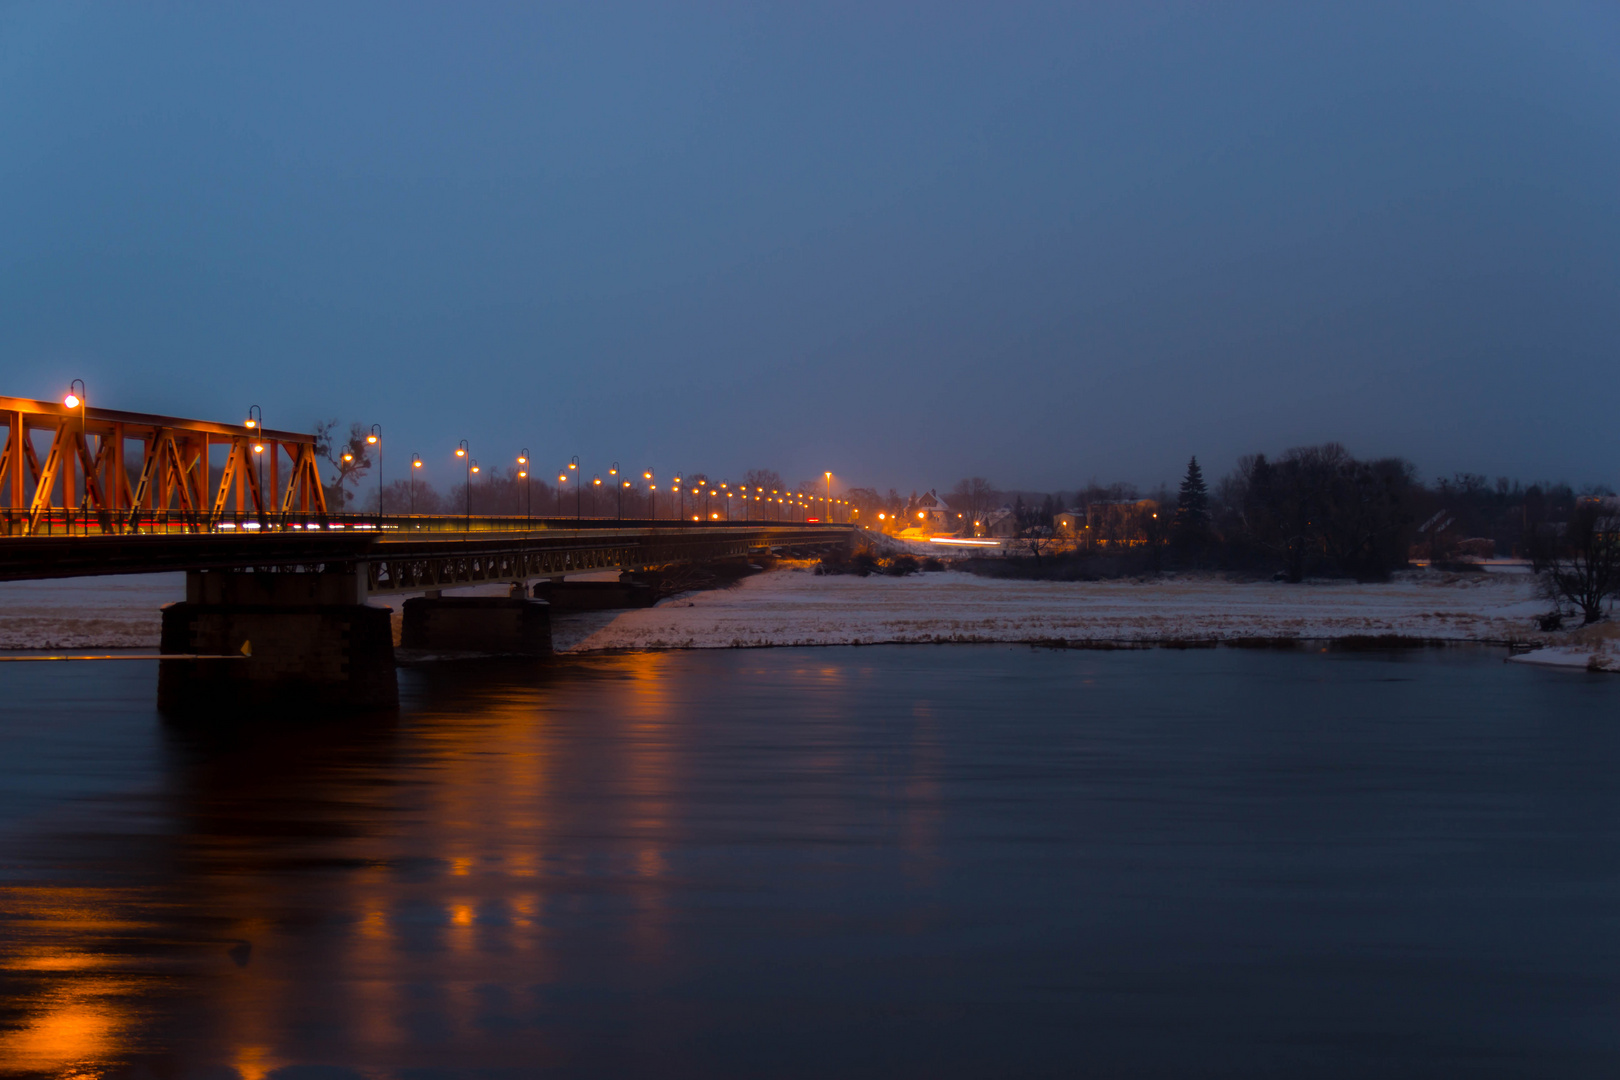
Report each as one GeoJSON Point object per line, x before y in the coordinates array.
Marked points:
{"type": "Point", "coordinates": [890, 861]}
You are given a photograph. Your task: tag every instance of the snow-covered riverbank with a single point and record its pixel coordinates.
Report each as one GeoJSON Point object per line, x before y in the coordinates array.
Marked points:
{"type": "Point", "coordinates": [796, 607]}
{"type": "Point", "coordinates": [791, 606]}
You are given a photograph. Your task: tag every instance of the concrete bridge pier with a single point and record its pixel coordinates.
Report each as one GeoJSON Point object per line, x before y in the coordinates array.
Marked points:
{"type": "Point", "coordinates": [509, 625]}
{"type": "Point", "coordinates": [314, 645]}
{"type": "Point", "coordinates": [627, 592]}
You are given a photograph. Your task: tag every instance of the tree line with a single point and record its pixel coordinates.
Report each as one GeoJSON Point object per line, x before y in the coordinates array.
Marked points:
{"type": "Point", "coordinates": [1314, 511]}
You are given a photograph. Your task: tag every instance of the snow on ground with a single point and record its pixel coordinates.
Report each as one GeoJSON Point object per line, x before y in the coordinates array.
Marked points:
{"type": "Point", "coordinates": [1593, 648]}
{"type": "Point", "coordinates": [796, 607]}
{"type": "Point", "coordinates": [791, 606]}
{"type": "Point", "coordinates": [87, 613]}
{"type": "Point", "coordinates": [1586, 658]}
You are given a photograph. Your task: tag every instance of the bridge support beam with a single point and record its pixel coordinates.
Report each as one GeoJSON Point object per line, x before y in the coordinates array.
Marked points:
{"type": "Point", "coordinates": [485, 624]}
{"type": "Point", "coordinates": [315, 646]}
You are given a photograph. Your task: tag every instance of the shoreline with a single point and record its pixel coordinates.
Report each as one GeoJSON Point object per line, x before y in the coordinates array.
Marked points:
{"type": "Point", "coordinates": [791, 607]}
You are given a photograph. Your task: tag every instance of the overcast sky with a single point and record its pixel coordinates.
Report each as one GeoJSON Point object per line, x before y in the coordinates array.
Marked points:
{"type": "Point", "coordinates": [903, 242]}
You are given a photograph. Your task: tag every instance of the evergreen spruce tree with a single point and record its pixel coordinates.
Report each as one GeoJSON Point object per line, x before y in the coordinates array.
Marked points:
{"type": "Point", "coordinates": [1191, 526]}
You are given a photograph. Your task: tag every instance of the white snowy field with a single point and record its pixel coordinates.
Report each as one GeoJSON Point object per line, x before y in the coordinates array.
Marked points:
{"type": "Point", "coordinates": [791, 606]}
{"type": "Point", "coordinates": [86, 613]}
{"type": "Point", "coordinates": [796, 607]}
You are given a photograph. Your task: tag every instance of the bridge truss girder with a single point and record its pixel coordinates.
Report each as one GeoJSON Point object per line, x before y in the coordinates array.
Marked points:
{"type": "Point", "coordinates": [175, 474]}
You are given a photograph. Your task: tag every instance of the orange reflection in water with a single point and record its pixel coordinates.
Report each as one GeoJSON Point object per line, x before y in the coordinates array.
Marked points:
{"type": "Point", "coordinates": [79, 1021]}
{"type": "Point", "coordinates": [77, 1035]}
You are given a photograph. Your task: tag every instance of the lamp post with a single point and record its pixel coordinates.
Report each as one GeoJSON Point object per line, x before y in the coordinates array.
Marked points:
{"type": "Point", "coordinates": [462, 452]}
{"type": "Point", "coordinates": [374, 438]}
{"type": "Point", "coordinates": [528, 489]}
{"type": "Point", "coordinates": [74, 401]}
{"type": "Point", "coordinates": [680, 504]}
{"type": "Point", "coordinates": [416, 463]}
{"type": "Point", "coordinates": [343, 474]}
{"type": "Point", "coordinates": [828, 515]}
{"type": "Point", "coordinates": [255, 424]}
{"type": "Point", "coordinates": [613, 475]}
{"type": "Point", "coordinates": [652, 506]}
{"type": "Point", "coordinates": [562, 478]}
{"type": "Point", "coordinates": [596, 483]}
{"type": "Point", "coordinates": [579, 493]}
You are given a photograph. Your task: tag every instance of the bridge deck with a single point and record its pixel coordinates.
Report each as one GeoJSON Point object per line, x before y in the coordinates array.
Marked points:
{"type": "Point", "coordinates": [409, 553]}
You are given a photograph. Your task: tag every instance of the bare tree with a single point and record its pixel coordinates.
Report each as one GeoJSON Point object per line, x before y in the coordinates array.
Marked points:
{"type": "Point", "coordinates": [769, 479]}
{"type": "Point", "coordinates": [350, 456]}
{"type": "Point", "coordinates": [1580, 564]}
{"type": "Point", "coordinates": [972, 497]}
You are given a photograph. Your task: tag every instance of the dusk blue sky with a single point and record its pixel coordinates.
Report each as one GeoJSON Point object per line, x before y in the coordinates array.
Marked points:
{"type": "Point", "coordinates": [907, 243]}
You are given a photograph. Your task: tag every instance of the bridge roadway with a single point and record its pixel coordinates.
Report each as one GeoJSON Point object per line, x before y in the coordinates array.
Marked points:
{"type": "Point", "coordinates": [411, 553]}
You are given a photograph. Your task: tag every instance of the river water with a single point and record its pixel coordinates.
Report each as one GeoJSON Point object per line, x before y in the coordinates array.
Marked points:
{"type": "Point", "coordinates": [886, 861]}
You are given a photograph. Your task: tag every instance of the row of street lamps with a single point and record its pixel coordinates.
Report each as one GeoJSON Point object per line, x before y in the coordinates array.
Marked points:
{"type": "Point", "coordinates": [77, 393]}
{"type": "Point", "coordinates": [572, 472]}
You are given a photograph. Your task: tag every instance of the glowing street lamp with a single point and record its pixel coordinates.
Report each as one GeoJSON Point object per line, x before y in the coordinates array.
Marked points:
{"type": "Point", "coordinates": [416, 463]}
{"type": "Point", "coordinates": [374, 438]}
{"type": "Point", "coordinates": [464, 451]}
{"type": "Point", "coordinates": [528, 489]}
{"type": "Point", "coordinates": [255, 423]}
{"type": "Point", "coordinates": [75, 401]}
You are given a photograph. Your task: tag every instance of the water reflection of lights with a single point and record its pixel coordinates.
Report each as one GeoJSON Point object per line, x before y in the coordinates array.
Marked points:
{"type": "Point", "coordinates": [75, 1035]}
{"type": "Point", "coordinates": [77, 1022]}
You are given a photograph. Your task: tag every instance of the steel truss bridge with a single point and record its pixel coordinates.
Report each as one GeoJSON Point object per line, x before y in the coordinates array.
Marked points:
{"type": "Point", "coordinates": [83, 510]}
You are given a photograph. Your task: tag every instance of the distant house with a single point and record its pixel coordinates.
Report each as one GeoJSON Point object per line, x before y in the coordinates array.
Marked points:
{"type": "Point", "coordinates": [929, 512]}
{"type": "Point", "coordinates": [1002, 522]}
{"type": "Point", "coordinates": [1069, 522]}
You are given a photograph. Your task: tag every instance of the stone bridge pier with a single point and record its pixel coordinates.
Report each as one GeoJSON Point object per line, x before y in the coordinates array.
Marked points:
{"type": "Point", "coordinates": [312, 646]}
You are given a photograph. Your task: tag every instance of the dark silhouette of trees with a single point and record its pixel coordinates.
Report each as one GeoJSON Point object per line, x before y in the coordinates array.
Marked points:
{"type": "Point", "coordinates": [1190, 529]}
{"type": "Point", "coordinates": [1318, 509]}
{"type": "Point", "coordinates": [350, 456]}
{"type": "Point", "coordinates": [769, 479]}
{"type": "Point", "coordinates": [1579, 563]}
{"type": "Point", "coordinates": [973, 498]}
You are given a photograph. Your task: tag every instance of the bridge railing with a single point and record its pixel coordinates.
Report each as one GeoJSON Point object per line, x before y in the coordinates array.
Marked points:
{"type": "Point", "coordinates": [59, 522]}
